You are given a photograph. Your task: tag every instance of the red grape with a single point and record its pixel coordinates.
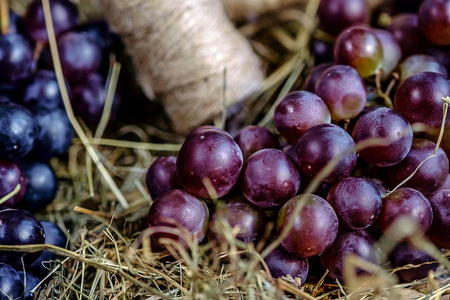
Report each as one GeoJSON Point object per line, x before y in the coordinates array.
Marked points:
{"type": "Point", "coordinates": [406, 30]}
{"type": "Point", "coordinates": [162, 176]}
{"type": "Point", "coordinates": [313, 76]}
{"type": "Point", "coordinates": [434, 19]}
{"type": "Point", "coordinates": [439, 232]}
{"type": "Point", "coordinates": [420, 63]}
{"type": "Point", "coordinates": [10, 176]}
{"type": "Point", "coordinates": [337, 15]}
{"type": "Point", "coordinates": [253, 138]}
{"type": "Point", "coordinates": [392, 53]}
{"type": "Point", "coordinates": [282, 263]}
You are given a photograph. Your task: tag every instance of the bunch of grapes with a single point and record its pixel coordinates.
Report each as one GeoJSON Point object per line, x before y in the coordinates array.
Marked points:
{"type": "Point", "coordinates": [34, 126]}
{"type": "Point", "coordinates": [345, 164]}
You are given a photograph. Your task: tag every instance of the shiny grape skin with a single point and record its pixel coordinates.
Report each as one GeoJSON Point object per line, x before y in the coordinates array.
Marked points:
{"type": "Point", "coordinates": [337, 15]}
{"type": "Point", "coordinates": [269, 178]}
{"type": "Point", "coordinates": [356, 201]}
{"type": "Point", "coordinates": [392, 53]}
{"type": "Point", "coordinates": [439, 232]}
{"type": "Point", "coordinates": [162, 176]}
{"type": "Point", "coordinates": [420, 63]}
{"type": "Point", "coordinates": [11, 283]}
{"type": "Point", "coordinates": [406, 202]}
{"type": "Point", "coordinates": [42, 185]}
{"type": "Point", "coordinates": [319, 145]}
{"type": "Point", "coordinates": [384, 123]}
{"type": "Point", "coordinates": [10, 176]}
{"type": "Point", "coordinates": [55, 236]}
{"type": "Point", "coordinates": [348, 242]}
{"type": "Point", "coordinates": [19, 227]}
{"type": "Point", "coordinates": [434, 19]}
{"type": "Point", "coordinates": [178, 209]}
{"type": "Point", "coordinates": [64, 17]}
{"type": "Point", "coordinates": [282, 263]}
{"type": "Point", "coordinates": [432, 174]}
{"type": "Point", "coordinates": [405, 28]}
{"type": "Point", "coordinates": [80, 56]}
{"type": "Point", "coordinates": [315, 227]}
{"type": "Point", "coordinates": [297, 112]}
{"type": "Point", "coordinates": [359, 48]}
{"type": "Point", "coordinates": [405, 254]}
{"type": "Point", "coordinates": [211, 154]}
{"type": "Point", "coordinates": [42, 91]}
{"type": "Point", "coordinates": [253, 138]}
{"type": "Point", "coordinates": [343, 90]}
{"type": "Point", "coordinates": [419, 98]}
{"type": "Point", "coordinates": [238, 212]}
{"type": "Point", "coordinates": [31, 282]}
{"type": "Point", "coordinates": [16, 59]}
{"type": "Point", "coordinates": [18, 131]}
{"type": "Point", "coordinates": [313, 76]}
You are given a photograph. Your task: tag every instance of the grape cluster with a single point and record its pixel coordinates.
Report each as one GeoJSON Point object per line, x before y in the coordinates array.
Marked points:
{"type": "Point", "coordinates": [342, 133]}
{"type": "Point", "coordinates": [34, 126]}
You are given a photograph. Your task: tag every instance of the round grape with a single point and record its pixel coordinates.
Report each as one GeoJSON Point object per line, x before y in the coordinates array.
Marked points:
{"type": "Point", "coordinates": [10, 176]}
{"type": "Point", "coordinates": [42, 92]}
{"type": "Point", "coordinates": [434, 19]}
{"type": "Point", "coordinates": [16, 59]}
{"type": "Point", "coordinates": [253, 138]}
{"type": "Point", "coordinates": [439, 232]}
{"type": "Point", "coordinates": [314, 75]}
{"type": "Point", "coordinates": [282, 263]}
{"type": "Point", "coordinates": [337, 15]}
{"type": "Point", "coordinates": [420, 63]}
{"type": "Point", "coordinates": [392, 53]}
{"type": "Point", "coordinates": [31, 282]}
{"type": "Point", "coordinates": [11, 284]}
{"type": "Point", "coordinates": [162, 176]}
{"type": "Point", "coordinates": [406, 30]}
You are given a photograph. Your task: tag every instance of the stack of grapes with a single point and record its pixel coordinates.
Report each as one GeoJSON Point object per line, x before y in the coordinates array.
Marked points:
{"type": "Point", "coordinates": [34, 127]}
{"type": "Point", "coordinates": [343, 145]}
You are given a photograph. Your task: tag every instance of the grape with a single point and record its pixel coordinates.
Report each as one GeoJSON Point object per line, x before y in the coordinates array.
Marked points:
{"type": "Point", "coordinates": [253, 138]}
{"type": "Point", "coordinates": [439, 232]}
{"type": "Point", "coordinates": [347, 243]}
{"type": "Point", "coordinates": [11, 284]}
{"type": "Point", "coordinates": [337, 15]}
{"type": "Point", "coordinates": [420, 63]}
{"type": "Point", "coordinates": [64, 17]}
{"type": "Point", "coordinates": [297, 112]}
{"type": "Point", "coordinates": [80, 56]}
{"type": "Point", "coordinates": [322, 143]}
{"type": "Point", "coordinates": [42, 185]}
{"type": "Point", "coordinates": [351, 125]}
{"type": "Point", "coordinates": [282, 263]}
{"type": "Point", "coordinates": [211, 154]}
{"type": "Point", "coordinates": [357, 202]}
{"type": "Point", "coordinates": [31, 282]}
{"type": "Point", "coordinates": [405, 254]}
{"type": "Point", "coordinates": [313, 76]}
{"type": "Point", "coordinates": [405, 202]}
{"type": "Point", "coordinates": [343, 90]}
{"type": "Point", "coordinates": [17, 131]}
{"type": "Point", "coordinates": [322, 52]}
{"type": "Point", "coordinates": [315, 227]}
{"type": "Point", "coordinates": [53, 236]}
{"type": "Point", "coordinates": [99, 32]}
{"type": "Point", "coordinates": [433, 135]}
{"type": "Point", "coordinates": [238, 212]}
{"type": "Point", "coordinates": [10, 176]}
{"type": "Point", "coordinates": [54, 134]}
{"type": "Point", "coordinates": [442, 55]}
{"type": "Point", "coordinates": [419, 98]}
{"type": "Point", "coordinates": [434, 19]}
{"type": "Point", "coordinates": [162, 176]}
{"type": "Point", "coordinates": [392, 53]}
{"type": "Point", "coordinates": [359, 48]}
{"type": "Point", "coordinates": [269, 178]}
{"type": "Point", "coordinates": [42, 91]}
{"type": "Point", "coordinates": [19, 227]}
{"type": "Point", "coordinates": [178, 209]}
{"type": "Point", "coordinates": [432, 174]}
{"type": "Point", "coordinates": [393, 128]}
{"type": "Point", "coordinates": [16, 59]}
{"type": "Point", "coordinates": [406, 30]}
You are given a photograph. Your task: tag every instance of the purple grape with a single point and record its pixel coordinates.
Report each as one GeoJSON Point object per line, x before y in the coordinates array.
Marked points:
{"type": "Point", "coordinates": [337, 15]}
{"type": "Point", "coordinates": [269, 178]}
{"type": "Point", "coordinates": [392, 53]}
{"type": "Point", "coordinates": [356, 201]}
{"type": "Point", "coordinates": [322, 52]}
{"type": "Point", "coordinates": [238, 212]}
{"type": "Point", "coordinates": [19, 227]}
{"type": "Point", "coordinates": [347, 243]}
{"type": "Point", "coordinates": [360, 48]}
{"type": "Point", "coordinates": [405, 254]}
{"type": "Point", "coordinates": [315, 227]}
{"type": "Point", "coordinates": [313, 76]}
{"type": "Point", "coordinates": [16, 59]}
{"type": "Point", "coordinates": [393, 128]}
{"type": "Point", "coordinates": [442, 55]}
{"type": "Point", "coordinates": [162, 176]}
{"type": "Point", "coordinates": [10, 176]}
{"type": "Point", "coordinates": [178, 209]}
{"type": "Point", "coordinates": [406, 30]}
{"type": "Point", "coordinates": [297, 112]}
{"type": "Point", "coordinates": [434, 19]}
{"type": "Point", "coordinates": [420, 63]}
{"type": "Point", "coordinates": [42, 92]}
{"type": "Point", "coordinates": [31, 282]}
{"type": "Point", "coordinates": [439, 232]}
{"type": "Point", "coordinates": [343, 90]}
{"type": "Point", "coordinates": [99, 32]}
{"type": "Point", "coordinates": [253, 138]}
{"type": "Point", "coordinates": [419, 98]}
{"type": "Point", "coordinates": [432, 174]}
{"type": "Point", "coordinates": [282, 263]}
{"type": "Point", "coordinates": [64, 17]}
{"type": "Point", "coordinates": [211, 154]}
{"type": "Point", "coordinates": [322, 143]}
{"type": "Point", "coordinates": [11, 284]}
{"type": "Point", "coordinates": [405, 202]}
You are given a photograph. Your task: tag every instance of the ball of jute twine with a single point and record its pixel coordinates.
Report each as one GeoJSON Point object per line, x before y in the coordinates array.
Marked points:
{"type": "Point", "coordinates": [188, 53]}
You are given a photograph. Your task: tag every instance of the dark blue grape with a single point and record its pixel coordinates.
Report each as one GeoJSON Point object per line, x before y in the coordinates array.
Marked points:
{"type": "Point", "coordinates": [16, 59]}
{"type": "Point", "coordinates": [11, 284]}
{"type": "Point", "coordinates": [42, 92]}
{"type": "Point", "coordinates": [30, 282]}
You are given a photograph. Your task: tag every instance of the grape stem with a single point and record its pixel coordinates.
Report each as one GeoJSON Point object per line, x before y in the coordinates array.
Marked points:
{"type": "Point", "coordinates": [4, 17]}
{"type": "Point", "coordinates": [11, 194]}
{"type": "Point", "coordinates": [385, 95]}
